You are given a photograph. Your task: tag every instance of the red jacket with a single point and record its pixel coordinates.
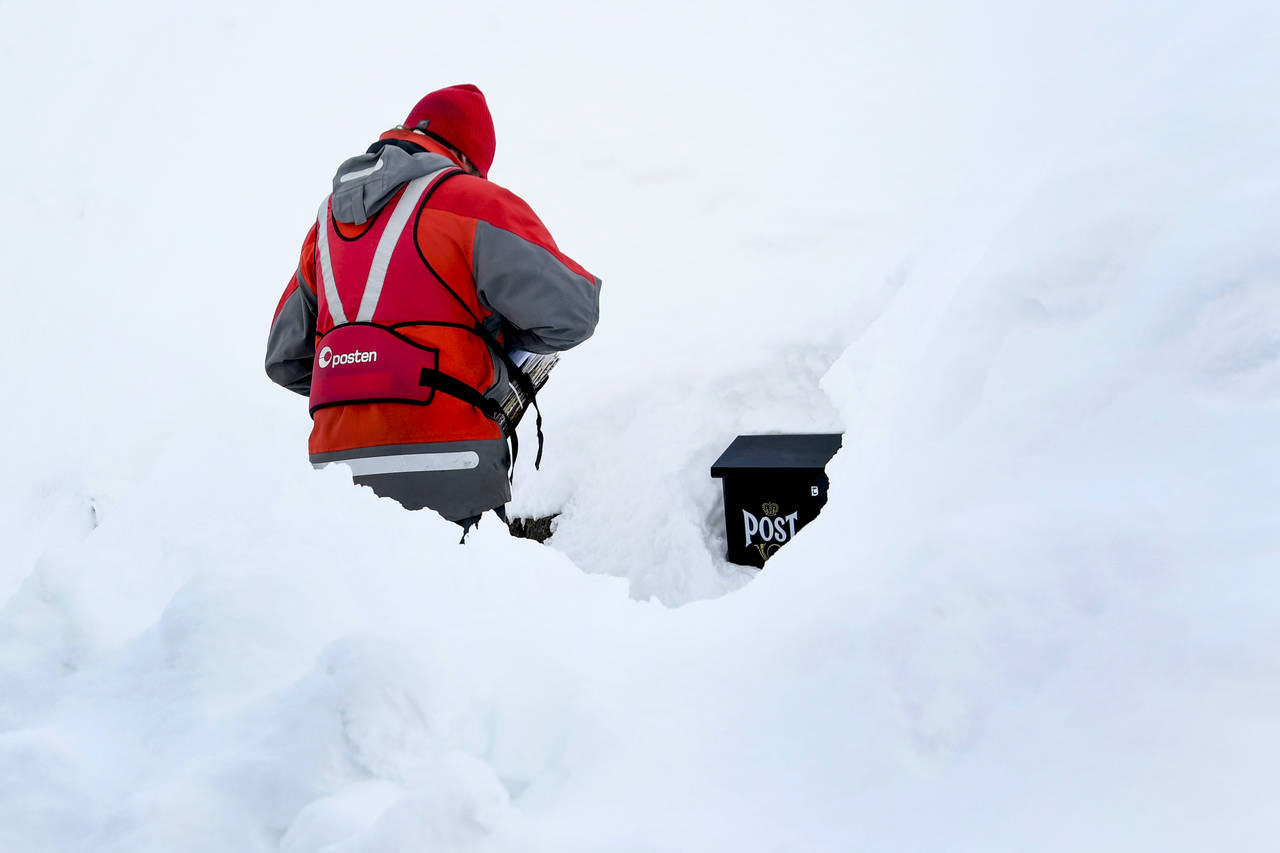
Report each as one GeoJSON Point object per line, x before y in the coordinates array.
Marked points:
{"type": "Point", "coordinates": [466, 253]}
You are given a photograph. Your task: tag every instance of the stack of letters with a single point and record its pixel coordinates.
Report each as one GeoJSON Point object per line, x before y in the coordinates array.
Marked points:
{"type": "Point", "coordinates": [537, 367]}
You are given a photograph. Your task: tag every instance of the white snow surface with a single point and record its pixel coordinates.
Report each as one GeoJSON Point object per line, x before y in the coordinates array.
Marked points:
{"type": "Point", "coordinates": [1024, 256]}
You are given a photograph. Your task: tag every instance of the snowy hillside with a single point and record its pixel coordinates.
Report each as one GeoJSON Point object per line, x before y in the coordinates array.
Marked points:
{"type": "Point", "coordinates": [1023, 255]}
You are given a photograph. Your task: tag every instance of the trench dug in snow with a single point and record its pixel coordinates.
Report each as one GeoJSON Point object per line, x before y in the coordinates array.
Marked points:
{"type": "Point", "coordinates": [631, 480]}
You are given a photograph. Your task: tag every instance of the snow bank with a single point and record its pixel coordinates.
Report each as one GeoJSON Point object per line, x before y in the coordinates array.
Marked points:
{"type": "Point", "coordinates": [1023, 258]}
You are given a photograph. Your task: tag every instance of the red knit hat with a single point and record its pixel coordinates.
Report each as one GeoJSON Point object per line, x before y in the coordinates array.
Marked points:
{"type": "Point", "coordinates": [459, 116]}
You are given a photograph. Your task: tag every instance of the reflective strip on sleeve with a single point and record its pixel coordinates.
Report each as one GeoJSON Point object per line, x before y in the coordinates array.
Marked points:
{"type": "Point", "coordinates": [387, 244]}
{"type": "Point", "coordinates": [409, 462]}
{"type": "Point", "coordinates": [326, 266]}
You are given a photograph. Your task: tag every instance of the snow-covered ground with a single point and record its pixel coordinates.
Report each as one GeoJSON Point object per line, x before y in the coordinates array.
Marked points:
{"type": "Point", "coordinates": [1023, 255]}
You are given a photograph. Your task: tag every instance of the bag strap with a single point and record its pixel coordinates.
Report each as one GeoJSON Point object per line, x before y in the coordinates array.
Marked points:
{"type": "Point", "coordinates": [453, 387]}
{"type": "Point", "coordinates": [446, 384]}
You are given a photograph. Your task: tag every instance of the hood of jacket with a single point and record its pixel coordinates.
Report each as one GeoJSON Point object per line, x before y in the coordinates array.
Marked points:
{"type": "Point", "coordinates": [364, 184]}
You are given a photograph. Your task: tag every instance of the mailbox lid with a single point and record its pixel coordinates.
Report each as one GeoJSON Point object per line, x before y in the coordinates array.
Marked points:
{"type": "Point", "coordinates": [775, 453]}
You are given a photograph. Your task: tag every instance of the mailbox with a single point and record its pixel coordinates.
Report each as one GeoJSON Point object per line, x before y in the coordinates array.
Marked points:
{"type": "Point", "coordinates": [773, 486]}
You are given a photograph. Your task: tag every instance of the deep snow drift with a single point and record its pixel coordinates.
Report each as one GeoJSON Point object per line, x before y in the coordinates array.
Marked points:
{"type": "Point", "coordinates": [1024, 259]}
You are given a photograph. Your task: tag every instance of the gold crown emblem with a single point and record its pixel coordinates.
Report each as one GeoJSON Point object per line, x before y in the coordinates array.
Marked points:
{"type": "Point", "coordinates": [770, 509]}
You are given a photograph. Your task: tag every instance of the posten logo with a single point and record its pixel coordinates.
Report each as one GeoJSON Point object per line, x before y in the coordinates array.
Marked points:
{"type": "Point", "coordinates": [328, 357]}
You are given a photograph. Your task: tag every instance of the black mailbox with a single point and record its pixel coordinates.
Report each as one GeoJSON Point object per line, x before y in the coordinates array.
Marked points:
{"type": "Point", "coordinates": [773, 486]}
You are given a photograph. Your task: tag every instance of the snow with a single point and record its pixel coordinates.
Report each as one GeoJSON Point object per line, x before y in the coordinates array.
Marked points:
{"type": "Point", "coordinates": [1022, 255]}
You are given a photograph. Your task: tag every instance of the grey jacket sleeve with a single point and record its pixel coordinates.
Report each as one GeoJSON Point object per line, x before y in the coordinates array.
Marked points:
{"type": "Point", "coordinates": [549, 303]}
{"type": "Point", "coordinates": [291, 345]}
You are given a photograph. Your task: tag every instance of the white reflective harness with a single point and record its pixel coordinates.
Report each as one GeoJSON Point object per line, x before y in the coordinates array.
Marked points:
{"type": "Point", "coordinates": [372, 292]}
